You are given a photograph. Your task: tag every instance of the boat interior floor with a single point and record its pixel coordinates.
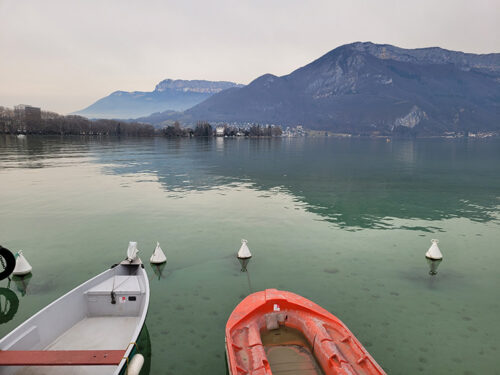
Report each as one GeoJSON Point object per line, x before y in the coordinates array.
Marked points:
{"type": "Point", "coordinates": [93, 333]}
{"type": "Point", "coordinates": [292, 360]}
{"type": "Point", "coordinates": [289, 353]}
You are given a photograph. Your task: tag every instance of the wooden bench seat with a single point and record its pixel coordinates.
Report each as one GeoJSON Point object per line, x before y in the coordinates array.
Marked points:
{"type": "Point", "coordinates": [61, 357]}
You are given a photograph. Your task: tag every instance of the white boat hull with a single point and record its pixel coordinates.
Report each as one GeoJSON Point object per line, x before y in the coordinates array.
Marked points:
{"type": "Point", "coordinates": [86, 319]}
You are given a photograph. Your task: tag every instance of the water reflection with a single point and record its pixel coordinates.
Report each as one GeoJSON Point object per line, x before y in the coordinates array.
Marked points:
{"type": "Point", "coordinates": [433, 265]}
{"type": "Point", "coordinates": [21, 283]}
{"type": "Point", "coordinates": [158, 270]}
{"type": "Point", "coordinates": [144, 347]}
{"type": "Point", "coordinates": [353, 183]}
{"type": "Point", "coordinates": [9, 303]}
{"type": "Point", "coordinates": [244, 263]}
{"type": "Point", "coordinates": [42, 151]}
{"type": "Point", "coordinates": [250, 290]}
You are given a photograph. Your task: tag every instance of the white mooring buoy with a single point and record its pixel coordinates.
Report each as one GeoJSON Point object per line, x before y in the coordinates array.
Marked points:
{"type": "Point", "coordinates": [434, 253]}
{"type": "Point", "coordinates": [132, 251]}
{"type": "Point", "coordinates": [22, 265]}
{"type": "Point", "coordinates": [244, 255]}
{"type": "Point", "coordinates": [158, 256]}
{"type": "Point", "coordinates": [244, 252]}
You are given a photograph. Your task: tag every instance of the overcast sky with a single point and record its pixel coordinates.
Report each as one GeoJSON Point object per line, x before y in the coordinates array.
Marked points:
{"type": "Point", "coordinates": [63, 55]}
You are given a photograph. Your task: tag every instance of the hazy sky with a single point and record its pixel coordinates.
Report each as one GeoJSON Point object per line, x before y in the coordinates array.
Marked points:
{"type": "Point", "coordinates": [63, 55]}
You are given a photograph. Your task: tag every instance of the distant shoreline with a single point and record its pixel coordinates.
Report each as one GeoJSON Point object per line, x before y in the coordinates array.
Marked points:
{"type": "Point", "coordinates": [381, 138]}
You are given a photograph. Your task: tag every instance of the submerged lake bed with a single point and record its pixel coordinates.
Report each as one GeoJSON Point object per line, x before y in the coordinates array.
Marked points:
{"type": "Point", "coordinates": [343, 222]}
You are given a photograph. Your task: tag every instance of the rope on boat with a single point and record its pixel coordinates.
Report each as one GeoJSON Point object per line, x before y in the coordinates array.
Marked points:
{"type": "Point", "coordinates": [131, 256]}
{"type": "Point", "coordinates": [133, 343]}
{"type": "Point", "coordinates": [113, 294]}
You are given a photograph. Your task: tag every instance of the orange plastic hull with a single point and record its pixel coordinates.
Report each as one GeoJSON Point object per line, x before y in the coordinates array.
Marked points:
{"type": "Point", "coordinates": [334, 347]}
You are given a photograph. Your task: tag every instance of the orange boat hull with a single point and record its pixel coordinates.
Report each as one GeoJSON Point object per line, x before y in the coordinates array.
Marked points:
{"type": "Point", "coordinates": [333, 346]}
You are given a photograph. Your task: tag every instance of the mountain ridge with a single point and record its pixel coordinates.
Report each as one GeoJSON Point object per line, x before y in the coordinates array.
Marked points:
{"type": "Point", "coordinates": [364, 87]}
{"type": "Point", "coordinates": [169, 94]}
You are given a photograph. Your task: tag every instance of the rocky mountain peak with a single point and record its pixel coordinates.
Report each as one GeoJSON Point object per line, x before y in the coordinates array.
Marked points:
{"type": "Point", "coordinates": [169, 95]}
{"type": "Point", "coordinates": [199, 86]}
{"type": "Point", "coordinates": [431, 55]}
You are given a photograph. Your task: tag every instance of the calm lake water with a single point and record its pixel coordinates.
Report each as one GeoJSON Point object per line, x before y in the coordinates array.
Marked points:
{"type": "Point", "coordinates": [343, 222]}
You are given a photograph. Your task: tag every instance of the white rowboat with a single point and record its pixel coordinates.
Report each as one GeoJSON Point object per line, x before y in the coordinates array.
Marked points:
{"type": "Point", "coordinates": [90, 330]}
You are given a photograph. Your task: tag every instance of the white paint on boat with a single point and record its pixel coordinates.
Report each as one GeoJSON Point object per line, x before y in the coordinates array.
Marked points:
{"type": "Point", "coordinates": [85, 319]}
{"type": "Point", "coordinates": [158, 256]}
{"type": "Point", "coordinates": [22, 265]}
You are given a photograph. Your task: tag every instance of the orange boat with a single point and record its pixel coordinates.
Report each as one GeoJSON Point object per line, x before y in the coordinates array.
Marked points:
{"type": "Point", "coordinates": [277, 332]}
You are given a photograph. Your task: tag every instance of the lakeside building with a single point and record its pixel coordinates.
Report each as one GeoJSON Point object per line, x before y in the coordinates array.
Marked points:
{"type": "Point", "coordinates": [297, 131]}
{"type": "Point", "coordinates": [219, 131]}
{"type": "Point", "coordinates": [27, 115]}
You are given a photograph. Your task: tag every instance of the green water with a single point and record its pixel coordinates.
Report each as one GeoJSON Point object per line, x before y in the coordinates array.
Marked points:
{"type": "Point", "coordinates": [343, 222]}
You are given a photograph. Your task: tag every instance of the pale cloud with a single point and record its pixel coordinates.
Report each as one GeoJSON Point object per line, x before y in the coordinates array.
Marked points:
{"type": "Point", "coordinates": [63, 55]}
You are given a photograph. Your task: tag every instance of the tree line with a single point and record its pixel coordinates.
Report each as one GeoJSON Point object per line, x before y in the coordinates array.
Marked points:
{"type": "Point", "coordinates": [52, 123]}
{"type": "Point", "coordinates": [204, 129]}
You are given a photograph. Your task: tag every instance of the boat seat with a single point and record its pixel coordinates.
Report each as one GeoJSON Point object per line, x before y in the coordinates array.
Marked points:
{"type": "Point", "coordinates": [61, 357]}
{"type": "Point", "coordinates": [119, 284]}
